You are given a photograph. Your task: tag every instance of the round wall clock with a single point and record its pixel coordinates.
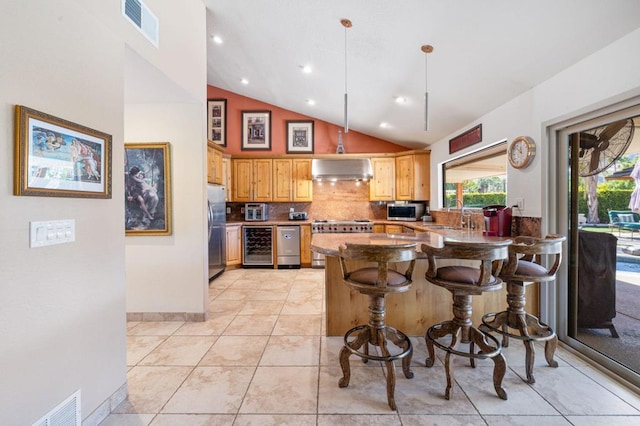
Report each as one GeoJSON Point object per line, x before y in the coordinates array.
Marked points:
{"type": "Point", "coordinates": [521, 152]}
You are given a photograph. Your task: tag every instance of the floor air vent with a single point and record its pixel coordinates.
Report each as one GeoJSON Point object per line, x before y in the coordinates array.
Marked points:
{"type": "Point", "coordinates": [142, 18]}
{"type": "Point", "coordinates": [67, 413]}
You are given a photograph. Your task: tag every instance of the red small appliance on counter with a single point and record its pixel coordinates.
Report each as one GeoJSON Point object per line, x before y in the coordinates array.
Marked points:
{"type": "Point", "coordinates": [497, 221]}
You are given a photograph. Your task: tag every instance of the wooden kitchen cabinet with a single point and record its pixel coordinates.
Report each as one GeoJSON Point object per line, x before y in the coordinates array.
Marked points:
{"type": "Point", "coordinates": [302, 183]}
{"type": "Point", "coordinates": [262, 180]}
{"type": "Point", "coordinates": [234, 244]}
{"type": "Point", "coordinates": [393, 229]}
{"type": "Point", "coordinates": [292, 180]}
{"type": "Point", "coordinates": [382, 186]}
{"type": "Point", "coordinates": [226, 177]}
{"type": "Point", "coordinates": [214, 164]}
{"type": "Point", "coordinates": [252, 180]}
{"type": "Point", "coordinates": [378, 228]}
{"type": "Point", "coordinates": [282, 180]}
{"type": "Point", "coordinates": [305, 245]}
{"type": "Point", "coordinates": [413, 175]}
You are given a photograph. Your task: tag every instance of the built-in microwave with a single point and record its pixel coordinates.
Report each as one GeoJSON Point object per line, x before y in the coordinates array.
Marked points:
{"type": "Point", "coordinates": [256, 212]}
{"type": "Point", "coordinates": [407, 212]}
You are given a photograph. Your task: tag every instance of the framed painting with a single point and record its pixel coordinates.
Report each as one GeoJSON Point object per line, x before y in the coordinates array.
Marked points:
{"type": "Point", "coordinates": [299, 137]}
{"type": "Point", "coordinates": [256, 130]}
{"type": "Point", "coordinates": [58, 158]}
{"type": "Point", "coordinates": [147, 186]}
{"type": "Point", "coordinates": [217, 121]}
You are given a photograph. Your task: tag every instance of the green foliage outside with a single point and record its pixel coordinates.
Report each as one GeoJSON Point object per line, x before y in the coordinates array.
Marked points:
{"type": "Point", "coordinates": [479, 192]}
{"type": "Point", "coordinates": [608, 199]}
{"type": "Point", "coordinates": [612, 195]}
{"type": "Point", "coordinates": [478, 199]}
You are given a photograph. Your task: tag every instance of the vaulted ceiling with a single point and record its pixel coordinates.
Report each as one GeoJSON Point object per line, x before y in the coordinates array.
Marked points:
{"type": "Point", "coordinates": [485, 54]}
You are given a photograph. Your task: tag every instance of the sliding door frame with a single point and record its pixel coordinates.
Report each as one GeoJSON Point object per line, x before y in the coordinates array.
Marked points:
{"type": "Point", "coordinates": [561, 211]}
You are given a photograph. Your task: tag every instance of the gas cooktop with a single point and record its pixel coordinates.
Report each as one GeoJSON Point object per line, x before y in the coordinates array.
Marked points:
{"type": "Point", "coordinates": [341, 226]}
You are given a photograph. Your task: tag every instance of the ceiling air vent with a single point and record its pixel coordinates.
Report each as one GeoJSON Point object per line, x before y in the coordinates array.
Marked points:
{"type": "Point", "coordinates": [141, 16]}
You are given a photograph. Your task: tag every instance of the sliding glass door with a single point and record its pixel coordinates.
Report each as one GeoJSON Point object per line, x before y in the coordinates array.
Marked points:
{"type": "Point", "coordinates": [597, 298]}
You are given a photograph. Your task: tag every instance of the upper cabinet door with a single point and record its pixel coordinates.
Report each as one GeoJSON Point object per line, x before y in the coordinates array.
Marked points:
{"type": "Point", "coordinates": [242, 180]}
{"type": "Point", "coordinates": [282, 180]}
{"type": "Point", "coordinates": [302, 183]}
{"type": "Point", "coordinates": [404, 177]}
{"type": "Point", "coordinates": [214, 165]}
{"type": "Point", "coordinates": [413, 176]}
{"type": "Point", "coordinates": [382, 186]}
{"type": "Point", "coordinates": [262, 180]}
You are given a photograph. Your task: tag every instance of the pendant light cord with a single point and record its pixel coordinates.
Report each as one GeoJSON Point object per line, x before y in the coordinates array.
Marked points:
{"type": "Point", "coordinates": [426, 49]}
{"type": "Point", "coordinates": [346, 24]}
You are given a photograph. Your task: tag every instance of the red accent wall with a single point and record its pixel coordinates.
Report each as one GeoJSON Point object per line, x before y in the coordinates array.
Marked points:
{"type": "Point", "coordinates": [325, 134]}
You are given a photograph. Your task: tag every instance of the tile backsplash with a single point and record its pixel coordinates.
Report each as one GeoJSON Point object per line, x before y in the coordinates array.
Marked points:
{"type": "Point", "coordinates": [349, 200]}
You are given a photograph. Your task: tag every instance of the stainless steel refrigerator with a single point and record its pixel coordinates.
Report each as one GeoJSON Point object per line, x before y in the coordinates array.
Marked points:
{"type": "Point", "coordinates": [217, 222]}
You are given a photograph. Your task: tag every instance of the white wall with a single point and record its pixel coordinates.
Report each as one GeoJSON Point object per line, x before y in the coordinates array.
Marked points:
{"type": "Point", "coordinates": [604, 77]}
{"type": "Point", "coordinates": [62, 321]}
{"type": "Point", "coordinates": [169, 274]}
{"type": "Point", "coordinates": [165, 101]}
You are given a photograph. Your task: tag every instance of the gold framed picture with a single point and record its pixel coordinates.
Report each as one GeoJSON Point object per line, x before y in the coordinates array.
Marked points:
{"type": "Point", "coordinates": [147, 169]}
{"type": "Point", "coordinates": [57, 158]}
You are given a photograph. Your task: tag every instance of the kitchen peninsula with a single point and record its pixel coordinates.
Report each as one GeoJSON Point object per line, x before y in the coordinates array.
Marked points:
{"type": "Point", "coordinates": [411, 312]}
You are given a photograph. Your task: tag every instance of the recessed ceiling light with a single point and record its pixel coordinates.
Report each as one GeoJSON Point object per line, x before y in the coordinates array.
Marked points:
{"type": "Point", "coordinates": [306, 69]}
{"type": "Point", "coordinates": [310, 102]}
{"type": "Point", "coordinates": [401, 99]}
{"type": "Point", "coordinates": [244, 81]}
{"type": "Point", "coordinates": [385, 125]}
{"type": "Point", "coordinates": [216, 39]}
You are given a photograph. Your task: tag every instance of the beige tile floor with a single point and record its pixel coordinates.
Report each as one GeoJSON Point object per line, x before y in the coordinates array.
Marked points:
{"type": "Point", "coordinates": [263, 359]}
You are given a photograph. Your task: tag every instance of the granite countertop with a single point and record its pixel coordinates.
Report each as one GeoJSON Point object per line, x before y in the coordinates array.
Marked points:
{"type": "Point", "coordinates": [269, 222]}
{"type": "Point", "coordinates": [418, 226]}
{"type": "Point", "coordinates": [328, 244]}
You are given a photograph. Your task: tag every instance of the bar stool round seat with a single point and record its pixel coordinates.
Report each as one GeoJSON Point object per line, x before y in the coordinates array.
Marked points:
{"type": "Point", "coordinates": [523, 268]}
{"type": "Point", "coordinates": [377, 282]}
{"type": "Point", "coordinates": [475, 272]}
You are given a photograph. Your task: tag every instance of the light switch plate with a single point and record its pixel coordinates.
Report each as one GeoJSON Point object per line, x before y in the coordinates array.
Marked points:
{"type": "Point", "coordinates": [51, 232]}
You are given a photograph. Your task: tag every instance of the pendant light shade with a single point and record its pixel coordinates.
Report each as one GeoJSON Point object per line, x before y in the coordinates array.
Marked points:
{"type": "Point", "coordinates": [426, 49]}
{"type": "Point", "coordinates": [346, 23]}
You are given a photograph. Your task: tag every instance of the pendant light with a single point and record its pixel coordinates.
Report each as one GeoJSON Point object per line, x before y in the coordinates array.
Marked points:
{"type": "Point", "coordinates": [426, 49]}
{"type": "Point", "coordinates": [346, 23]}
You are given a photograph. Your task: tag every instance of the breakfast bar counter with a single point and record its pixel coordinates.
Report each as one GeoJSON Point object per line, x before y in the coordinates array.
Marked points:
{"type": "Point", "coordinates": [417, 309]}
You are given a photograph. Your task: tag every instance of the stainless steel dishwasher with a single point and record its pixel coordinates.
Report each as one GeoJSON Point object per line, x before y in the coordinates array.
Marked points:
{"type": "Point", "coordinates": [288, 246]}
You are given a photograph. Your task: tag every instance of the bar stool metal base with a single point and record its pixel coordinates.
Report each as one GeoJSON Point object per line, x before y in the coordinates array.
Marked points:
{"type": "Point", "coordinates": [368, 335]}
{"type": "Point", "coordinates": [475, 337]}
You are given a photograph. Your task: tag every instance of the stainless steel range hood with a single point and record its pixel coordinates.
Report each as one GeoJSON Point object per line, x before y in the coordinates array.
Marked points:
{"type": "Point", "coordinates": [341, 169]}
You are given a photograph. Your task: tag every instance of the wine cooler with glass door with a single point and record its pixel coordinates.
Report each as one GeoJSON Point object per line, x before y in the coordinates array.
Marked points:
{"type": "Point", "coordinates": [257, 246]}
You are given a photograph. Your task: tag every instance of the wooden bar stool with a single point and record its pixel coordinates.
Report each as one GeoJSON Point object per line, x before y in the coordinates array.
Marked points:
{"type": "Point", "coordinates": [524, 268]}
{"type": "Point", "coordinates": [376, 282]}
{"type": "Point", "coordinates": [464, 282]}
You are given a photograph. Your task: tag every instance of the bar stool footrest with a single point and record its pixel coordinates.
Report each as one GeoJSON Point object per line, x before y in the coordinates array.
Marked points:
{"type": "Point", "coordinates": [366, 355]}
{"type": "Point", "coordinates": [449, 348]}
{"type": "Point", "coordinates": [492, 322]}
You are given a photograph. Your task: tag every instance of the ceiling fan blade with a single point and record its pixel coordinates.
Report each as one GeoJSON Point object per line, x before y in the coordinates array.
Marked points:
{"type": "Point", "coordinates": [595, 160]}
{"type": "Point", "coordinates": [611, 130]}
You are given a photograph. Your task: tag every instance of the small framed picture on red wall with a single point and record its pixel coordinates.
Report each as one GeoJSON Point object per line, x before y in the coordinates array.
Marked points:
{"type": "Point", "coordinates": [217, 121]}
{"type": "Point", "coordinates": [299, 137]}
{"type": "Point", "coordinates": [256, 130]}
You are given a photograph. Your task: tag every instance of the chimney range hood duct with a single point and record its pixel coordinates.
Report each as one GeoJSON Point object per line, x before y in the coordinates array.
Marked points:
{"type": "Point", "coordinates": [341, 169]}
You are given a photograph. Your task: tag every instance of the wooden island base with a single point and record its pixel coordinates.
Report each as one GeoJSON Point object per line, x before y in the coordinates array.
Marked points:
{"type": "Point", "coordinates": [412, 312]}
